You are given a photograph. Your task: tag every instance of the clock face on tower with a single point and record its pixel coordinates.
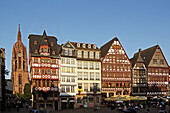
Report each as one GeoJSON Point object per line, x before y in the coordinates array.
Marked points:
{"type": "Point", "coordinates": [19, 55]}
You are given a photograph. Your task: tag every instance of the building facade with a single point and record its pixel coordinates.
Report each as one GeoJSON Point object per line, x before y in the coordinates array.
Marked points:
{"type": "Point", "coordinates": [115, 69]}
{"type": "Point", "coordinates": [68, 76]}
{"type": "Point", "coordinates": [19, 74]}
{"type": "Point", "coordinates": [44, 71]}
{"type": "Point", "coordinates": [88, 93]}
{"type": "Point", "coordinates": [2, 79]}
{"type": "Point", "coordinates": [157, 71]}
{"type": "Point", "coordinates": [139, 75]}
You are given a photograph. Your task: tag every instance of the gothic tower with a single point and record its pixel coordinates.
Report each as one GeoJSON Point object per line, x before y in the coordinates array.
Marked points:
{"type": "Point", "coordinates": [19, 74]}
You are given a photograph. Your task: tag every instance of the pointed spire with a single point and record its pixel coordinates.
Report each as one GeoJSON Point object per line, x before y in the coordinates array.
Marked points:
{"type": "Point", "coordinates": [19, 34]}
{"type": "Point", "coordinates": [44, 33]}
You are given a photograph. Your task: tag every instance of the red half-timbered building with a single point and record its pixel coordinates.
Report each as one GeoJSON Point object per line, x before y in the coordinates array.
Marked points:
{"type": "Point", "coordinates": [116, 69]}
{"type": "Point", "coordinates": [157, 71]}
{"type": "Point", "coordinates": [44, 70]}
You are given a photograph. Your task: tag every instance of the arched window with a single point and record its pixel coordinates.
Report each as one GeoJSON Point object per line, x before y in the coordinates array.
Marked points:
{"type": "Point", "coordinates": [19, 62]}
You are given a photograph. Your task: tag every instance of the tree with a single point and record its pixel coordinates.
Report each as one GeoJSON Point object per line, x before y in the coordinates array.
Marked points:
{"type": "Point", "coordinates": [27, 92]}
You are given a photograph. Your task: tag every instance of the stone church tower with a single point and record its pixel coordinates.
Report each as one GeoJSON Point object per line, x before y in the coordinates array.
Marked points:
{"type": "Point", "coordinates": [19, 74]}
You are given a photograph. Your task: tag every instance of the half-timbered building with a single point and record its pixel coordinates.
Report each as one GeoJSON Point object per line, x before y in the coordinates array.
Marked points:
{"type": "Point", "coordinates": [115, 69]}
{"type": "Point", "coordinates": [44, 70]}
{"type": "Point", "coordinates": [139, 75]}
{"type": "Point", "coordinates": [157, 70]}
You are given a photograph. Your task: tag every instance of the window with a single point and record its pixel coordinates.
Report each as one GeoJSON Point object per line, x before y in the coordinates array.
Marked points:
{"type": "Point", "coordinates": [63, 88]}
{"type": "Point", "coordinates": [97, 55]}
{"type": "Point", "coordinates": [97, 76]}
{"type": "Point", "coordinates": [79, 65]}
{"type": "Point", "coordinates": [84, 45]}
{"type": "Point", "coordinates": [41, 49]}
{"type": "Point", "coordinates": [45, 49]}
{"type": "Point", "coordinates": [53, 52]}
{"type": "Point", "coordinates": [85, 86]}
{"type": "Point", "coordinates": [79, 85]}
{"type": "Point", "coordinates": [79, 101]}
{"type": "Point", "coordinates": [94, 46]}
{"type": "Point", "coordinates": [67, 88]}
{"type": "Point", "coordinates": [90, 99]}
{"type": "Point", "coordinates": [19, 62]}
{"type": "Point", "coordinates": [68, 79]}
{"type": "Point", "coordinates": [48, 83]}
{"type": "Point", "coordinates": [67, 61]}
{"type": "Point", "coordinates": [73, 69]}
{"type": "Point", "coordinates": [43, 83]}
{"type": "Point", "coordinates": [72, 89]}
{"type": "Point", "coordinates": [39, 83]}
{"type": "Point", "coordinates": [91, 65]}
{"type": "Point", "coordinates": [52, 44]}
{"type": "Point", "coordinates": [79, 54]}
{"type": "Point", "coordinates": [70, 52]}
{"type": "Point", "coordinates": [91, 54]}
{"type": "Point", "coordinates": [72, 61]}
{"type": "Point", "coordinates": [97, 66]}
{"type": "Point", "coordinates": [63, 79]}
{"type": "Point", "coordinates": [35, 60]}
{"type": "Point", "coordinates": [85, 65]}
{"type": "Point", "coordinates": [79, 75]}
{"type": "Point", "coordinates": [36, 51]}
{"type": "Point", "coordinates": [36, 83]}
{"type": "Point", "coordinates": [154, 61]}
{"type": "Point", "coordinates": [35, 42]}
{"type": "Point", "coordinates": [85, 76]}
{"type": "Point", "coordinates": [48, 71]}
{"type": "Point", "coordinates": [53, 61]}
{"type": "Point", "coordinates": [66, 52]}
{"type": "Point", "coordinates": [53, 71]}
{"type": "Point", "coordinates": [78, 44]}
{"type": "Point", "coordinates": [85, 54]}
{"type": "Point", "coordinates": [72, 79]}
{"type": "Point", "coordinates": [89, 46]}
{"type": "Point", "coordinates": [91, 76]}
{"type": "Point", "coordinates": [161, 61]}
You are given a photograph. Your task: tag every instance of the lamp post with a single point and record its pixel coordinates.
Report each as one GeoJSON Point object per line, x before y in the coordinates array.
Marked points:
{"type": "Point", "coordinates": [94, 92]}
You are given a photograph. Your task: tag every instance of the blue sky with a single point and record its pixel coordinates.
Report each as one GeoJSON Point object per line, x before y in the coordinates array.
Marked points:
{"type": "Point", "coordinates": [137, 23]}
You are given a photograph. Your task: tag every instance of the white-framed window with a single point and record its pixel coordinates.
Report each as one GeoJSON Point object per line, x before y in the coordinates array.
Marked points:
{"type": "Point", "coordinates": [70, 52]}
{"type": "Point", "coordinates": [66, 52]}
{"type": "Point", "coordinates": [79, 54]}
{"type": "Point", "coordinates": [79, 65]}
{"type": "Point", "coordinates": [84, 45]}
{"type": "Point", "coordinates": [79, 75]}
{"type": "Point", "coordinates": [91, 65]}
{"type": "Point", "coordinates": [91, 76]}
{"type": "Point", "coordinates": [72, 89]}
{"type": "Point", "coordinates": [79, 85]}
{"type": "Point", "coordinates": [67, 88]}
{"type": "Point", "coordinates": [85, 54]}
{"type": "Point", "coordinates": [78, 44]}
{"type": "Point", "coordinates": [85, 86]}
{"type": "Point", "coordinates": [63, 79]}
{"type": "Point", "coordinates": [97, 76]}
{"type": "Point", "coordinates": [85, 65]}
{"type": "Point", "coordinates": [89, 45]}
{"type": "Point", "coordinates": [97, 65]}
{"type": "Point", "coordinates": [63, 88]}
{"type": "Point", "coordinates": [85, 76]}
{"type": "Point", "coordinates": [72, 61]}
{"type": "Point", "coordinates": [94, 46]}
{"type": "Point", "coordinates": [67, 61]}
{"type": "Point", "coordinates": [72, 79]}
{"type": "Point", "coordinates": [68, 79]}
{"type": "Point", "coordinates": [91, 54]}
{"type": "Point", "coordinates": [97, 55]}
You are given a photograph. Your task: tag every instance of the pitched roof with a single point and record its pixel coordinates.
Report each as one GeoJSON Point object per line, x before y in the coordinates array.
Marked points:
{"type": "Point", "coordinates": [104, 49]}
{"type": "Point", "coordinates": [136, 58]}
{"type": "Point", "coordinates": [40, 41]}
{"type": "Point", "coordinates": [146, 55]}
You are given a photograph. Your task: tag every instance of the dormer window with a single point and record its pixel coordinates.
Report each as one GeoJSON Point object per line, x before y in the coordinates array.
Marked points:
{"type": "Point", "coordinates": [68, 45]}
{"type": "Point", "coordinates": [52, 44]}
{"type": "Point", "coordinates": [35, 42]}
{"type": "Point", "coordinates": [89, 45]}
{"type": "Point", "coordinates": [94, 46]}
{"type": "Point", "coordinates": [45, 40]}
{"type": "Point", "coordinates": [84, 45]}
{"type": "Point", "coordinates": [36, 51]}
{"type": "Point", "coordinates": [78, 44]}
{"type": "Point", "coordinates": [45, 49]}
{"type": "Point", "coordinates": [53, 52]}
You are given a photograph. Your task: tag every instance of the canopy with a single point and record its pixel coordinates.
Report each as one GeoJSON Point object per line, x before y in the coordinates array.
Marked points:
{"type": "Point", "coordinates": [119, 101]}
